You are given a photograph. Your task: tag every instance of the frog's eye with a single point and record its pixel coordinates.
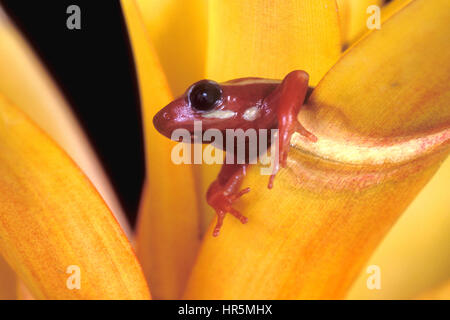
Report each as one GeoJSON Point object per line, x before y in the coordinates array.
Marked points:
{"type": "Point", "coordinates": [204, 95]}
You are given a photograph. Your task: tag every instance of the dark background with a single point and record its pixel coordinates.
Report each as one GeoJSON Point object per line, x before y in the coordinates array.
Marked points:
{"type": "Point", "coordinates": [95, 71]}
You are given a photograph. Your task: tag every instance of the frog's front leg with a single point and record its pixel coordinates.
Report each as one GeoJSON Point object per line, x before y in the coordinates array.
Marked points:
{"type": "Point", "coordinates": [291, 96]}
{"type": "Point", "coordinates": [225, 190]}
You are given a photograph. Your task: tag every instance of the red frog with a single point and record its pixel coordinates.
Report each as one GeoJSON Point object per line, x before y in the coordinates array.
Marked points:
{"type": "Point", "coordinates": [246, 103]}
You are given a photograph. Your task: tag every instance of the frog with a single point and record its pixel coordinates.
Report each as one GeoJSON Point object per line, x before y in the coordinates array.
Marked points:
{"type": "Point", "coordinates": [244, 103]}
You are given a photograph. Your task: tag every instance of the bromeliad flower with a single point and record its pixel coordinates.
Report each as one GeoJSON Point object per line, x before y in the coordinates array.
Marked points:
{"type": "Point", "coordinates": [379, 110]}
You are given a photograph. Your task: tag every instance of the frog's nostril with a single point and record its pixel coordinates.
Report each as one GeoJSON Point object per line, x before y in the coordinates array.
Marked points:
{"type": "Point", "coordinates": [166, 115]}
{"type": "Point", "coordinates": [161, 122]}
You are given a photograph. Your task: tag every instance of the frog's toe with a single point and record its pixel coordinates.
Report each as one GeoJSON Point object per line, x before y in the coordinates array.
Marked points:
{"type": "Point", "coordinates": [310, 136]}
{"type": "Point", "coordinates": [238, 215]}
{"type": "Point", "coordinates": [239, 194]}
{"type": "Point", "coordinates": [223, 206]}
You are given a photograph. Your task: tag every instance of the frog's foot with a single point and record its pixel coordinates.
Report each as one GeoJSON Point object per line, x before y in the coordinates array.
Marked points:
{"type": "Point", "coordinates": [222, 204]}
{"type": "Point", "coordinates": [284, 139]}
{"type": "Point", "coordinates": [307, 134]}
{"type": "Point", "coordinates": [285, 134]}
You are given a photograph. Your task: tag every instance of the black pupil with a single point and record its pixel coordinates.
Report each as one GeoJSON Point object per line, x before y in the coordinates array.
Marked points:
{"type": "Point", "coordinates": [204, 95]}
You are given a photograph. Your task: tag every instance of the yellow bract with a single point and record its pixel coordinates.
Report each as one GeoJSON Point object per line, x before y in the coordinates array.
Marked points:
{"type": "Point", "coordinates": [414, 255]}
{"type": "Point", "coordinates": [353, 17]}
{"type": "Point", "coordinates": [168, 225]}
{"type": "Point", "coordinates": [393, 82]}
{"type": "Point", "coordinates": [260, 38]}
{"type": "Point", "coordinates": [7, 281]}
{"type": "Point", "coordinates": [52, 218]}
{"type": "Point", "coordinates": [309, 236]}
{"type": "Point", "coordinates": [392, 8]}
{"type": "Point", "coordinates": [179, 31]}
{"type": "Point", "coordinates": [440, 293]}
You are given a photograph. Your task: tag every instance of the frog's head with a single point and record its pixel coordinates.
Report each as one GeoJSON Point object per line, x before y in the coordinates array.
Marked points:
{"type": "Point", "coordinates": [218, 106]}
{"type": "Point", "coordinates": [201, 98]}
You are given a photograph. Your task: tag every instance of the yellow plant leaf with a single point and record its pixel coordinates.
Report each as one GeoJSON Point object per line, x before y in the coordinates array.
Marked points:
{"type": "Point", "coordinates": [22, 292]}
{"type": "Point", "coordinates": [387, 11]}
{"type": "Point", "coordinates": [267, 39]}
{"type": "Point", "coordinates": [25, 82]}
{"type": "Point", "coordinates": [353, 18]}
{"type": "Point", "coordinates": [307, 237]}
{"type": "Point", "coordinates": [53, 221]}
{"type": "Point", "coordinates": [392, 8]}
{"type": "Point", "coordinates": [382, 118]}
{"type": "Point", "coordinates": [7, 281]}
{"type": "Point", "coordinates": [400, 88]}
{"type": "Point", "coordinates": [440, 293]}
{"type": "Point", "coordinates": [168, 224]}
{"type": "Point", "coordinates": [414, 255]}
{"type": "Point", "coordinates": [178, 30]}
{"type": "Point", "coordinates": [182, 26]}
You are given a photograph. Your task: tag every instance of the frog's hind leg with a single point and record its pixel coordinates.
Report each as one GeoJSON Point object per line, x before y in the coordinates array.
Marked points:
{"type": "Point", "coordinates": [224, 191]}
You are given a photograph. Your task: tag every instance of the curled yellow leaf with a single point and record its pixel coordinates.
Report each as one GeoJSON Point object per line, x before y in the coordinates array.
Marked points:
{"type": "Point", "coordinates": [178, 30]}
{"type": "Point", "coordinates": [167, 230]}
{"type": "Point", "coordinates": [54, 224]}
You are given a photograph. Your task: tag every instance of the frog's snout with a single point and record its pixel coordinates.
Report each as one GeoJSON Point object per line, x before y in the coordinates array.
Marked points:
{"type": "Point", "coordinates": [161, 121]}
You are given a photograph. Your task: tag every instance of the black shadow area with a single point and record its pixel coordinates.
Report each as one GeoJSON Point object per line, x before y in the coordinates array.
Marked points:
{"type": "Point", "coordinates": [94, 69]}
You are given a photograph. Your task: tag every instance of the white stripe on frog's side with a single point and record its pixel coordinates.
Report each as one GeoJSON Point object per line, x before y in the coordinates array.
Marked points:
{"type": "Point", "coordinates": [251, 114]}
{"type": "Point", "coordinates": [219, 114]}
